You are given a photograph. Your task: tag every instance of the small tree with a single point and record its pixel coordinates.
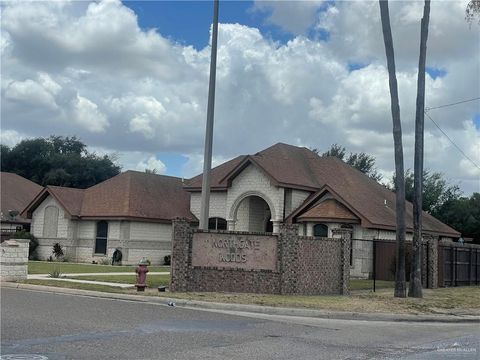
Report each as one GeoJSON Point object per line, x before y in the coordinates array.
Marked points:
{"type": "Point", "coordinates": [57, 251]}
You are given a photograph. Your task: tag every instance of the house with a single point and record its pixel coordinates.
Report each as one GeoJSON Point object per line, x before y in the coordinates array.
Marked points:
{"type": "Point", "coordinates": [16, 193]}
{"type": "Point", "coordinates": [131, 212]}
{"type": "Point", "coordinates": [290, 184]}
{"type": "Point", "coordinates": [281, 184]}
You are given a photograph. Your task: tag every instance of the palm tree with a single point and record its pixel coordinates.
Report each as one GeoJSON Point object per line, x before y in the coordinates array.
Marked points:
{"type": "Point", "coordinates": [415, 285]}
{"type": "Point", "coordinates": [400, 283]}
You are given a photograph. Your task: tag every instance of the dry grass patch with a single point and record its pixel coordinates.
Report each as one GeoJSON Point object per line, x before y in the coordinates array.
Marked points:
{"type": "Point", "coordinates": [458, 300]}
{"type": "Point", "coordinates": [446, 301]}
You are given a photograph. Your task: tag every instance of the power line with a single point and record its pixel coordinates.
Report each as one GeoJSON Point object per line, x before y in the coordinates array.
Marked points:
{"type": "Point", "coordinates": [453, 143]}
{"type": "Point", "coordinates": [447, 105]}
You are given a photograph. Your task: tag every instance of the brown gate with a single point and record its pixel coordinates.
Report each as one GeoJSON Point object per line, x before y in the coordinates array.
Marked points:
{"type": "Point", "coordinates": [458, 265]}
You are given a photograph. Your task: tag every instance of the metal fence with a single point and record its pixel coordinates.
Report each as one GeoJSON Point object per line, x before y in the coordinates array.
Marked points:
{"type": "Point", "coordinates": [375, 260]}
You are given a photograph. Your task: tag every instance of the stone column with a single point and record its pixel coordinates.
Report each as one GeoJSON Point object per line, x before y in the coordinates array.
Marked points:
{"type": "Point", "coordinates": [432, 264]}
{"type": "Point", "coordinates": [309, 229]}
{"type": "Point", "coordinates": [231, 225]}
{"type": "Point", "coordinates": [276, 226]}
{"type": "Point", "coordinates": [288, 258]}
{"type": "Point", "coordinates": [14, 259]}
{"type": "Point", "coordinates": [345, 235]}
{"type": "Point", "coordinates": [182, 235]}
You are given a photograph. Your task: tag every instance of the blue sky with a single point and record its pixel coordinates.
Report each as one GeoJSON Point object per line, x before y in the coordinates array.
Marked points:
{"type": "Point", "coordinates": [307, 73]}
{"type": "Point", "coordinates": [188, 22]}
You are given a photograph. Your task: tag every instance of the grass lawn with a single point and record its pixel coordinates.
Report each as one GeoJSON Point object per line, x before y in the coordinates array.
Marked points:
{"type": "Point", "coordinates": [361, 284]}
{"type": "Point", "coordinates": [153, 281]}
{"type": "Point", "coordinates": [46, 267]}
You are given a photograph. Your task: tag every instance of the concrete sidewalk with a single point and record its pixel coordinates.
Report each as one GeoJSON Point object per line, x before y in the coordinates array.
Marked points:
{"type": "Point", "coordinates": [93, 282]}
{"type": "Point", "coordinates": [251, 310]}
{"type": "Point", "coordinates": [71, 275]}
{"type": "Point", "coordinates": [71, 278]}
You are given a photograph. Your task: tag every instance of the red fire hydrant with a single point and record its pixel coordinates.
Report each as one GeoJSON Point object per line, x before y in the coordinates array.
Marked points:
{"type": "Point", "coordinates": [141, 271]}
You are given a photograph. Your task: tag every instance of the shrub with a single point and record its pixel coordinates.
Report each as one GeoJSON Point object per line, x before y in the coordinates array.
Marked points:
{"type": "Point", "coordinates": [32, 245]}
{"type": "Point", "coordinates": [66, 258]}
{"type": "Point", "coordinates": [167, 260]}
{"type": "Point", "coordinates": [55, 273]}
{"type": "Point", "coordinates": [57, 251]}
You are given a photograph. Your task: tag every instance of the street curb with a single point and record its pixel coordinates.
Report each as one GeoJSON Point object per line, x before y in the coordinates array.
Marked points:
{"type": "Point", "coordinates": [268, 310]}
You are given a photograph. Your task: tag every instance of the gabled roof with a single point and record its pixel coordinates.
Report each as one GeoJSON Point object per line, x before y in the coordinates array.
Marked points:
{"type": "Point", "coordinates": [130, 195]}
{"type": "Point", "coordinates": [300, 168]}
{"type": "Point", "coordinates": [329, 209]}
{"type": "Point", "coordinates": [16, 193]}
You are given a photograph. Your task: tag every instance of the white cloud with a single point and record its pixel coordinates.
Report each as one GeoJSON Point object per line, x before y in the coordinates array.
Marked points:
{"type": "Point", "coordinates": [76, 68]}
{"type": "Point", "coordinates": [152, 163]}
{"type": "Point", "coordinates": [30, 92]}
{"type": "Point", "coordinates": [87, 115]}
{"type": "Point", "coordinates": [10, 137]}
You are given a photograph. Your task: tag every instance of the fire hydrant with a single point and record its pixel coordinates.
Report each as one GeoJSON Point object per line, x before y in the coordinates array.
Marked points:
{"type": "Point", "coordinates": [141, 271]}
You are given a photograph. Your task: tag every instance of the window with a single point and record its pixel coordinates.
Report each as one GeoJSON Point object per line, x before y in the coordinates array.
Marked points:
{"type": "Point", "coordinates": [101, 239]}
{"type": "Point", "coordinates": [217, 223]}
{"type": "Point", "coordinates": [50, 222]}
{"type": "Point", "coordinates": [320, 230]}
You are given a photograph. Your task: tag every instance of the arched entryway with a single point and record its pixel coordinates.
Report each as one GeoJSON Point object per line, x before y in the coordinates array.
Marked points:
{"type": "Point", "coordinates": [252, 213]}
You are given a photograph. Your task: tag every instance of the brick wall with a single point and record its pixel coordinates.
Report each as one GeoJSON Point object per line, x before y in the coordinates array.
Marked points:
{"type": "Point", "coordinates": [14, 260]}
{"type": "Point", "coordinates": [305, 265]}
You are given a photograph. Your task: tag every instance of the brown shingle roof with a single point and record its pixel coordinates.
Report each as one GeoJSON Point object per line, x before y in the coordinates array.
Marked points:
{"type": "Point", "coordinates": [329, 209]}
{"type": "Point", "coordinates": [71, 199]}
{"type": "Point", "coordinates": [298, 167]}
{"type": "Point", "coordinates": [132, 194]}
{"type": "Point", "coordinates": [16, 193]}
{"type": "Point", "coordinates": [217, 175]}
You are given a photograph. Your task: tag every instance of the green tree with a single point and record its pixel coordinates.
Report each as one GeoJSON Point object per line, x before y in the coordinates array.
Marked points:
{"type": "Point", "coordinates": [58, 160]}
{"type": "Point", "coordinates": [361, 161]}
{"type": "Point", "coordinates": [436, 191]}
{"type": "Point", "coordinates": [463, 214]}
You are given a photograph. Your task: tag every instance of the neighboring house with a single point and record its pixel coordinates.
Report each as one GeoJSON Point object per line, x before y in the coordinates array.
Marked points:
{"type": "Point", "coordinates": [131, 212]}
{"type": "Point", "coordinates": [16, 193]}
{"type": "Point", "coordinates": [282, 184]}
{"type": "Point", "coordinates": [285, 183]}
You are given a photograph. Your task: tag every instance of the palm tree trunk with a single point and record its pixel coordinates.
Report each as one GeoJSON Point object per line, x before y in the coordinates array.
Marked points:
{"type": "Point", "coordinates": [415, 286]}
{"type": "Point", "coordinates": [400, 283]}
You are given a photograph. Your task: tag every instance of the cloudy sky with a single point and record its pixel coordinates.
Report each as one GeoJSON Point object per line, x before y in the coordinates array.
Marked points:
{"type": "Point", "coordinates": [131, 78]}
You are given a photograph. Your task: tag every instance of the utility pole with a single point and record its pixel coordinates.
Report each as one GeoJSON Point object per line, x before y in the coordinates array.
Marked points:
{"type": "Point", "coordinates": [207, 159]}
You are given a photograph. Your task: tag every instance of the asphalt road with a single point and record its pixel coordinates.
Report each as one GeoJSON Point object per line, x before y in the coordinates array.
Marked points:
{"type": "Point", "coordinates": [58, 326]}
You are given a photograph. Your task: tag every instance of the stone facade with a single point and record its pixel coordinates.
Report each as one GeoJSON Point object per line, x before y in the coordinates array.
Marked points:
{"type": "Point", "coordinates": [14, 260]}
{"type": "Point", "coordinates": [135, 239]}
{"type": "Point", "coordinates": [240, 204]}
{"type": "Point", "coordinates": [305, 265]}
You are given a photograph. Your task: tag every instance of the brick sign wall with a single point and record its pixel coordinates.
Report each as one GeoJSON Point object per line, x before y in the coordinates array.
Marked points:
{"type": "Point", "coordinates": [258, 262]}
